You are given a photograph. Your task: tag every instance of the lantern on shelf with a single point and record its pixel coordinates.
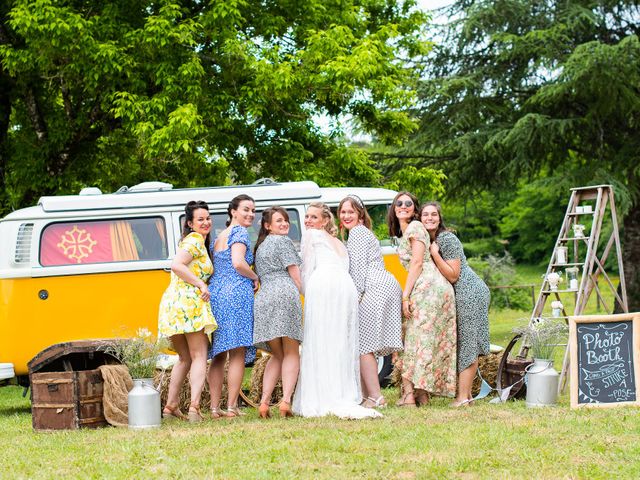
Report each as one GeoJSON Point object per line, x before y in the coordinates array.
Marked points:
{"type": "Point", "coordinates": [561, 255]}
{"type": "Point", "coordinates": [572, 278]}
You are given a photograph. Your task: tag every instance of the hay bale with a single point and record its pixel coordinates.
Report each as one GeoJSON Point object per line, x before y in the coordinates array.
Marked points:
{"type": "Point", "coordinates": [257, 375]}
{"type": "Point", "coordinates": [162, 379]}
{"type": "Point", "coordinates": [487, 364]}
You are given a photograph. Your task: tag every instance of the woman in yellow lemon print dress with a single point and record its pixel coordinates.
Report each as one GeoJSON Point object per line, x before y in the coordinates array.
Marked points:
{"type": "Point", "coordinates": [185, 312]}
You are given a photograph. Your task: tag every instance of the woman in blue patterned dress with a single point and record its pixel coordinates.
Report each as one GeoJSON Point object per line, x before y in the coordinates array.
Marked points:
{"type": "Point", "coordinates": [472, 298]}
{"type": "Point", "coordinates": [277, 323]}
{"type": "Point", "coordinates": [232, 287]}
{"type": "Point", "coordinates": [185, 314]}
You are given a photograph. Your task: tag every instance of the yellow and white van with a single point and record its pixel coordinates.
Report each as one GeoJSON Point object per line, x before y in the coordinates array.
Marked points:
{"type": "Point", "coordinates": [95, 265]}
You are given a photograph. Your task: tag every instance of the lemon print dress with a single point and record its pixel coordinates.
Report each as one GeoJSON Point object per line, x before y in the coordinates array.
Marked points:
{"type": "Point", "coordinates": [181, 308]}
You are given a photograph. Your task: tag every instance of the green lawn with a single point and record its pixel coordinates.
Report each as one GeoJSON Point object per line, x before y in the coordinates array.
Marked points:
{"type": "Point", "coordinates": [482, 441]}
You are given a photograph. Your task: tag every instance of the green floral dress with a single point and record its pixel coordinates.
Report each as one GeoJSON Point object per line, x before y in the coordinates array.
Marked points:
{"type": "Point", "coordinates": [429, 357]}
{"type": "Point", "coordinates": [182, 310]}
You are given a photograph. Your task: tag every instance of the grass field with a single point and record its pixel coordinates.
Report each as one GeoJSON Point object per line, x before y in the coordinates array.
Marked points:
{"type": "Point", "coordinates": [482, 441]}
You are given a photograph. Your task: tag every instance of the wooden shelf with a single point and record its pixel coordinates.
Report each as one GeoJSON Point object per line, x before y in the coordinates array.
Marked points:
{"type": "Point", "coordinates": [575, 214]}
{"type": "Point", "coordinates": [559, 291]}
{"type": "Point", "coordinates": [567, 239]}
{"type": "Point", "coordinates": [567, 264]}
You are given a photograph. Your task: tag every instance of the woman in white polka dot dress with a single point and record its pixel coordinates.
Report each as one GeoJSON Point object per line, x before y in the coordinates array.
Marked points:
{"type": "Point", "coordinates": [380, 295]}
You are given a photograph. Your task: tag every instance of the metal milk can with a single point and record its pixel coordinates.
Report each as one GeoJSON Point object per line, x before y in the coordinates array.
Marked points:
{"type": "Point", "coordinates": [542, 383]}
{"type": "Point", "coordinates": [144, 404]}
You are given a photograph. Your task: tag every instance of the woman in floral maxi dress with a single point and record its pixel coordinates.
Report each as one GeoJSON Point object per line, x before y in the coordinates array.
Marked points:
{"type": "Point", "coordinates": [428, 363]}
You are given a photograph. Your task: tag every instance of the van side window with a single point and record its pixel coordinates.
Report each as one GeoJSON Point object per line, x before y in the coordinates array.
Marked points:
{"type": "Point", "coordinates": [117, 240]}
{"type": "Point", "coordinates": [220, 219]}
{"type": "Point", "coordinates": [378, 214]}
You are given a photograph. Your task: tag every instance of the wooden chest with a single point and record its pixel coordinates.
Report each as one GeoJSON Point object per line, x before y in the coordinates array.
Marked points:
{"type": "Point", "coordinates": [67, 400]}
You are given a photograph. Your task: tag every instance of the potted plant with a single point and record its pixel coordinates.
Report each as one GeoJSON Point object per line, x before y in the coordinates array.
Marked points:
{"type": "Point", "coordinates": [140, 354]}
{"type": "Point", "coordinates": [542, 335]}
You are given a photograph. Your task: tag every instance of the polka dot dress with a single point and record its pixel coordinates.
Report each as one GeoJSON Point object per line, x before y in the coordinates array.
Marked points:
{"type": "Point", "coordinates": [380, 310]}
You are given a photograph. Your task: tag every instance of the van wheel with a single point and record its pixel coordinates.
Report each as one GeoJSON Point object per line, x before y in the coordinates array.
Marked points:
{"type": "Point", "coordinates": [385, 367]}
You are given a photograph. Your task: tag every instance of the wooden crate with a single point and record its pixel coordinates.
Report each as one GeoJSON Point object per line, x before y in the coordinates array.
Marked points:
{"type": "Point", "coordinates": [67, 400]}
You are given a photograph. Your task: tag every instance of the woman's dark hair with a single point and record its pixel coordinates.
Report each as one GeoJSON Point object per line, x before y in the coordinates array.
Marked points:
{"type": "Point", "coordinates": [189, 208]}
{"type": "Point", "coordinates": [234, 204]}
{"type": "Point", "coordinates": [358, 205]}
{"type": "Point", "coordinates": [392, 221]}
{"type": "Point", "coordinates": [441, 226]}
{"type": "Point", "coordinates": [267, 216]}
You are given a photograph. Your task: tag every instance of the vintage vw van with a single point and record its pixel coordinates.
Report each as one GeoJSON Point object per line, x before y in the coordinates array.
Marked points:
{"type": "Point", "coordinates": [95, 265]}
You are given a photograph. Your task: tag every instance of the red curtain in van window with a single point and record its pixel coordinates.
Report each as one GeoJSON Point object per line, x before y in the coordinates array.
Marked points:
{"type": "Point", "coordinates": [76, 243]}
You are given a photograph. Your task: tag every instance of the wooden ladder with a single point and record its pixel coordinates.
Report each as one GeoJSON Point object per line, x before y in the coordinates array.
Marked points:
{"type": "Point", "coordinates": [585, 255]}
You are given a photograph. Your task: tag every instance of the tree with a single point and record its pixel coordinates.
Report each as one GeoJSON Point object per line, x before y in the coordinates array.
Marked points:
{"type": "Point", "coordinates": [197, 92]}
{"type": "Point", "coordinates": [520, 89]}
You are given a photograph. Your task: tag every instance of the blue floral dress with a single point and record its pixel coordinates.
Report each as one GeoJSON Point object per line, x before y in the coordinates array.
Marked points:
{"type": "Point", "coordinates": [232, 299]}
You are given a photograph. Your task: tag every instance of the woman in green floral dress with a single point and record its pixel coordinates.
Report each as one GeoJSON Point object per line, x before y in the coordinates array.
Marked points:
{"type": "Point", "coordinates": [428, 363]}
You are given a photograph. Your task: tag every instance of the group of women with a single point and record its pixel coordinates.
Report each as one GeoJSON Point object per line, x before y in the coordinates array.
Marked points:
{"type": "Point", "coordinates": [353, 310]}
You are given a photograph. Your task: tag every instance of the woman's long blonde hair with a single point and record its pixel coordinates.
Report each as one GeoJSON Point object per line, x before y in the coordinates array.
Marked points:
{"type": "Point", "coordinates": [330, 227]}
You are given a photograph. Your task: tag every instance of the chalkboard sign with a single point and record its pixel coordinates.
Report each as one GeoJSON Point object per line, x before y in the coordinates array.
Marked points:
{"type": "Point", "coordinates": [605, 360]}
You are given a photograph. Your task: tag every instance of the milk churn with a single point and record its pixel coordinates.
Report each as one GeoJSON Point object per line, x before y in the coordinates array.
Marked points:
{"type": "Point", "coordinates": [542, 383]}
{"type": "Point", "coordinates": [144, 404]}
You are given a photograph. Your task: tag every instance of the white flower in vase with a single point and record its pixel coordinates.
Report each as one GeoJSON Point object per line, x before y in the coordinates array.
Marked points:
{"type": "Point", "coordinates": [554, 279]}
{"type": "Point", "coordinates": [578, 230]}
{"type": "Point", "coordinates": [556, 308]}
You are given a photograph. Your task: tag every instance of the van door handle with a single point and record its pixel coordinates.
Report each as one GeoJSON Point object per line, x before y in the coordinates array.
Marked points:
{"type": "Point", "coordinates": [168, 269]}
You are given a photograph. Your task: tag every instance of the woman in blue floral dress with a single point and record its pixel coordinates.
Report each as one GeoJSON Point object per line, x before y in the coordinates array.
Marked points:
{"type": "Point", "coordinates": [232, 288]}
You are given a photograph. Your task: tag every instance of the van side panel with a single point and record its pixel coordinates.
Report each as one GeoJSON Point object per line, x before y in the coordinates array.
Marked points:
{"type": "Point", "coordinates": [393, 265]}
{"type": "Point", "coordinates": [77, 307]}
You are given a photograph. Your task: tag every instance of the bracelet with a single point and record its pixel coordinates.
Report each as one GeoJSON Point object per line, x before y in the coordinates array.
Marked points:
{"type": "Point", "coordinates": [405, 299]}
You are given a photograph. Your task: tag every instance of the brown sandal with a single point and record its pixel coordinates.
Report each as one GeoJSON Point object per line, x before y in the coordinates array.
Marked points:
{"type": "Point", "coordinates": [403, 401]}
{"type": "Point", "coordinates": [170, 412]}
{"type": "Point", "coordinates": [263, 410]}
{"type": "Point", "coordinates": [285, 409]}
{"type": "Point", "coordinates": [233, 412]}
{"type": "Point", "coordinates": [422, 397]}
{"type": "Point", "coordinates": [194, 414]}
{"type": "Point", "coordinates": [217, 412]}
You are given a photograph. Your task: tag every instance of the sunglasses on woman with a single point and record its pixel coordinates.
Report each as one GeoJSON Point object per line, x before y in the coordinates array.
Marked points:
{"type": "Point", "coordinates": [407, 203]}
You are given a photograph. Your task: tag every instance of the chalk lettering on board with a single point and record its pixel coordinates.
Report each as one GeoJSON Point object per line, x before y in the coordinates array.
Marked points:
{"type": "Point", "coordinates": [605, 363]}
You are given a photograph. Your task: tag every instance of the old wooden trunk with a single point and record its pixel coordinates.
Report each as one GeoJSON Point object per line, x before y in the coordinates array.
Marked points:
{"type": "Point", "coordinates": [67, 400]}
{"type": "Point", "coordinates": [67, 387]}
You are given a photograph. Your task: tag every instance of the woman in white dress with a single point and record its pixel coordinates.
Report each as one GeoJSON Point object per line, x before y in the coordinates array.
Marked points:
{"type": "Point", "coordinates": [329, 381]}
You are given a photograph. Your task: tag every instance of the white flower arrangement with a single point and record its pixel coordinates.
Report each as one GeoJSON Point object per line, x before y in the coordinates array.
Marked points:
{"type": "Point", "coordinates": [542, 335]}
{"type": "Point", "coordinates": [139, 354]}
{"type": "Point", "coordinates": [557, 304]}
{"type": "Point", "coordinates": [578, 230]}
{"type": "Point", "coordinates": [554, 278]}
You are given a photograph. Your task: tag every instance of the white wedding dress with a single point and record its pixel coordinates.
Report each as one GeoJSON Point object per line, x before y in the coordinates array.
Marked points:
{"type": "Point", "coordinates": [329, 381]}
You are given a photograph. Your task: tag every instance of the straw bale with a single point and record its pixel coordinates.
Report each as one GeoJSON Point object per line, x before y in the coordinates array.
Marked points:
{"type": "Point", "coordinates": [257, 374]}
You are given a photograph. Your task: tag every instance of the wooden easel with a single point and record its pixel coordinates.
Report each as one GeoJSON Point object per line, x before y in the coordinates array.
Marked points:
{"type": "Point", "coordinates": [585, 254]}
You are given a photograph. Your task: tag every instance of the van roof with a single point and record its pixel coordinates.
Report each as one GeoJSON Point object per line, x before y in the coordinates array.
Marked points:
{"type": "Point", "coordinates": [306, 191]}
{"type": "Point", "coordinates": [179, 197]}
